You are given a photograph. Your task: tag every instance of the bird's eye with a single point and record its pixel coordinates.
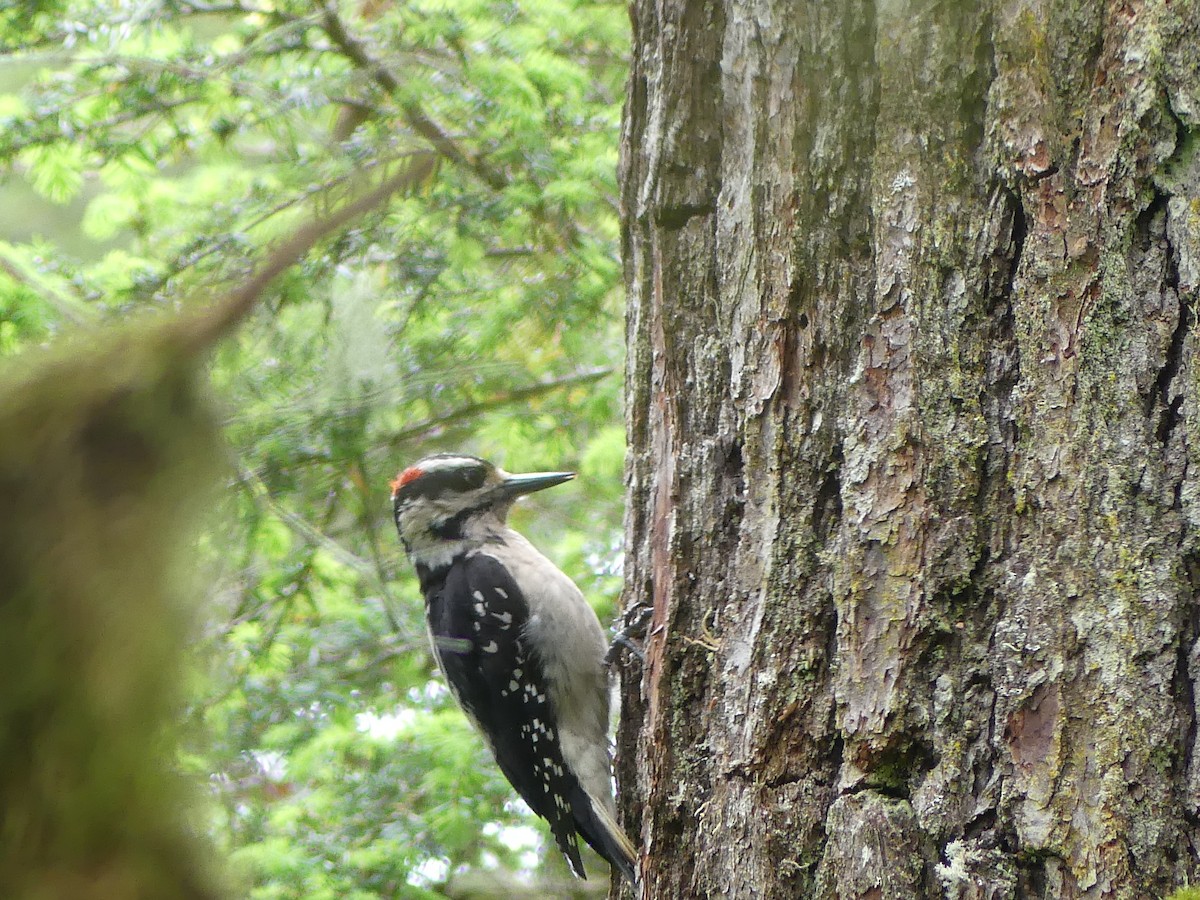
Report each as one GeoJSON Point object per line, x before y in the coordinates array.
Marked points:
{"type": "Point", "coordinates": [470, 479]}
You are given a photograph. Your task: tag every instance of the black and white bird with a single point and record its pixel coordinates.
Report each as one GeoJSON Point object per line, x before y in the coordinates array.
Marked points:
{"type": "Point", "coordinates": [520, 647]}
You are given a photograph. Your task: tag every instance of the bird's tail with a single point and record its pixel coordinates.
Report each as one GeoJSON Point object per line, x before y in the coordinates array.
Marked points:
{"type": "Point", "coordinates": [598, 827]}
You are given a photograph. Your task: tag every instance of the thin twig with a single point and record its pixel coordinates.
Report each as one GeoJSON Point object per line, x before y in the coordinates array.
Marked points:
{"type": "Point", "coordinates": [513, 396]}
{"type": "Point", "coordinates": [421, 123]}
{"type": "Point", "coordinates": [311, 534]}
{"type": "Point", "coordinates": [367, 524]}
{"type": "Point", "coordinates": [355, 51]}
{"type": "Point", "coordinates": [207, 246]}
{"type": "Point", "coordinates": [219, 319]}
{"type": "Point", "coordinates": [75, 311]}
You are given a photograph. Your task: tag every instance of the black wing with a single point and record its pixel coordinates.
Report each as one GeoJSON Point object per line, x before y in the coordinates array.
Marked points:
{"type": "Point", "coordinates": [477, 620]}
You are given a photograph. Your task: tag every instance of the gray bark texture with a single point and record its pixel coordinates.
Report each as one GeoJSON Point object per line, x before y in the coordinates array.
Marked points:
{"type": "Point", "coordinates": [915, 447]}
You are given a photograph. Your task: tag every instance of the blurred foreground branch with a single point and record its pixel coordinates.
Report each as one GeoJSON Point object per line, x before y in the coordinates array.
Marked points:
{"type": "Point", "coordinates": [109, 454]}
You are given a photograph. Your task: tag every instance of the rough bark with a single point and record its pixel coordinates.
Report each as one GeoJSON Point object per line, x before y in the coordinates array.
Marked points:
{"type": "Point", "coordinates": [914, 440]}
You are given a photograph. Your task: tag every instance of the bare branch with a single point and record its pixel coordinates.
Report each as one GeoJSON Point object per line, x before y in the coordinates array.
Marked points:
{"type": "Point", "coordinates": [70, 308]}
{"type": "Point", "coordinates": [219, 319]}
{"type": "Point", "coordinates": [311, 534]}
{"type": "Point", "coordinates": [498, 400]}
{"type": "Point", "coordinates": [355, 51]}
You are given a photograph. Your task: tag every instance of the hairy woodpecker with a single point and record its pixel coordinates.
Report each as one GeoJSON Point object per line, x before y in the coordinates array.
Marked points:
{"type": "Point", "coordinates": [521, 649]}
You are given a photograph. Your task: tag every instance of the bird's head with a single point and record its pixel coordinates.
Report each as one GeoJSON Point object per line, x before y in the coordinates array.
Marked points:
{"type": "Point", "coordinates": [448, 498]}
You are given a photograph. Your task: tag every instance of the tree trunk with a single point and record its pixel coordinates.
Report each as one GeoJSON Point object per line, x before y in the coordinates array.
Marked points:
{"type": "Point", "coordinates": [915, 455]}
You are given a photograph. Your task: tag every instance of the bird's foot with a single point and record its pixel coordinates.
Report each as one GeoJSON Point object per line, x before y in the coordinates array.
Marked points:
{"type": "Point", "coordinates": [637, 621]}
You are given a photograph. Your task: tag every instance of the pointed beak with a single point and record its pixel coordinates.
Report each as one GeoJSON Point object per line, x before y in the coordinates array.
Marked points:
{"type": "Point", "coordinates": [514, 486]}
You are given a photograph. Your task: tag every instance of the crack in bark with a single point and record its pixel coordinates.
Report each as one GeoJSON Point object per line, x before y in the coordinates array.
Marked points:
{"type": "Point", "coordinates": [1032, 878]}
{"type": "Point", "coordinates": [1171, 412]}
{"type": "Point", "coordinates": [675, 217]}
{"type": "Point", "coordinates": [1002, 381]}
{"type": "Point", "coordinates": [1005, 367]}
{"type": "Point", "coordinates": [827, 506]}
{"type": "Point", "coordinates": [981, 828]}
{"type": "Point", "coordinates": [1185, 686]}
{"type": "Point", "coordinates": [1020, 230]}
{"type": "Point", "coordinates": [1170, 416]}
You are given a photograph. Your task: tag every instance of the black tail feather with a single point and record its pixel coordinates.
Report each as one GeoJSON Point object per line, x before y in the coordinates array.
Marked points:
{"type": "Point", "coordinates": [602, 833]}
{"type": "Point", "coordinates": [564, 836]}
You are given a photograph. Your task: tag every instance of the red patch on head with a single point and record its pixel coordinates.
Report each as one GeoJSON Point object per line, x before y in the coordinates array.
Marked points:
{"type": "Point", "coordinates": [412, 473]}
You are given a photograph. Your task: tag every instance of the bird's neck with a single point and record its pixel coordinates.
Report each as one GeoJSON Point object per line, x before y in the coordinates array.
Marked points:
{"type": "Point", "coordinates": [451, 541]}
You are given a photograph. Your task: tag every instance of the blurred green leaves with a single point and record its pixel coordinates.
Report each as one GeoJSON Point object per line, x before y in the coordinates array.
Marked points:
{"type": "Point", "coordinates": [178, 140]}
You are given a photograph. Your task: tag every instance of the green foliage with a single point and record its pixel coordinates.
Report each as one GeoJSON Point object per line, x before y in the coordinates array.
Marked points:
{"type": "Point", "coordinates": [481, 312]}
